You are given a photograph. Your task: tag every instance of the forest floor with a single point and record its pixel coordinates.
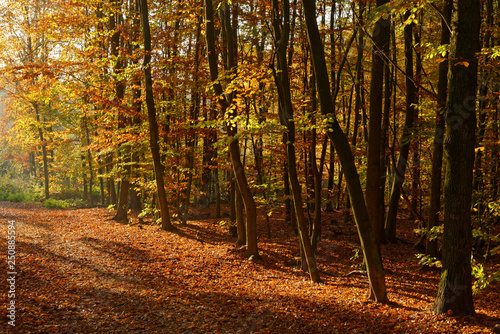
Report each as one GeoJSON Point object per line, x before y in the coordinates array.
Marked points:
{"type": "Point", "coordinates": [80, 272]}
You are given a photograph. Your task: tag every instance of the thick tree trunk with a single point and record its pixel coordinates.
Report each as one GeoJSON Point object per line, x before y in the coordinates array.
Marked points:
{"type": "Point", "coordinates": [240, 222]}
{"type": "Point", "coordinates": [153, 125]}
{"type": "Point", "coordinates": [455, 288]}
{"type": "Point", "coordinates": [375, 271]}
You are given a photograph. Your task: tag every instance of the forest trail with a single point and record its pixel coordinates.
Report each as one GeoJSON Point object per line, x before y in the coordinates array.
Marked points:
{"type": "Point", "coordinates": [79, 272]}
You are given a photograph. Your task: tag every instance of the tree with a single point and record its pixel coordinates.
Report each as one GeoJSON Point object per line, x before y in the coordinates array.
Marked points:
{"type": "Point", "coordinates": [153, 125]}
{"type": "Point", "coordinates": [281, 28]}
{"type": "Point", "coordinates": [375, 271]}
{"type": "Point", "coordinates": [437, 157]}
{"type": "Point", "coordinates": [400, 167]}
{"type": "Point", "coordinates": [455, 287]}
{"type": "Point", "coordinates": [373, 171]}
{"type": "Point", "coordinates": [231, 125]}
{"type": "Point", "coordinates": [119, 67]}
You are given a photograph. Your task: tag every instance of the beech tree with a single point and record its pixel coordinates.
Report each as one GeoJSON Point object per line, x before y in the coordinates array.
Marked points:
{"type": "Point", "coordinates": [153, 125]}
{"type": "Point", "coordinates": [373, 171]}
{"type": "Point", "coordinates": [455, 287]}
{"type": "Point", "coordinates": [231, 125]}
{"type": "Point", "coordinates": [367, 237]}
{"type": "Point", "coordinates": [438, 145]}
{"type": "Point", "coordinates": [281, 28]}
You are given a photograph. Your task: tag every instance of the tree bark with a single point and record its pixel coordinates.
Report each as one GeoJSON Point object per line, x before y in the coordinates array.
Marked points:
{"type": "Point", "coordinates": [231, 129]}
{"type": "Point", "coordinates": [122, 203]}
{"type": "Point", "coordinates": [455, 287]}
{"type": "Point", "coordinates": [153, 125]}
{"type": "Point", "coordinates": [375, 271]}
{"type": "Point", "coordinates": [400, 168]}
{"type": "Point", "coordinates": [45, 160]}
{"type": "Point", "coordinates": [437, 157]}
{"type": "Point", "coordinates": [373, 171]}
{"type": "Point", "coordinates": [281, 27]}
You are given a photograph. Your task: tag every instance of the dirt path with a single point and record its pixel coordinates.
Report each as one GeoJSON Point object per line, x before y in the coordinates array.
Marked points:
{"type": "Point", "coordinates": [78, 272]}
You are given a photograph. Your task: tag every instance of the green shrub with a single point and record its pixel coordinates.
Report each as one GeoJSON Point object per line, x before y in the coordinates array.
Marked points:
{"type": "Point", "coordinates": [53, 203]}
{"type": "Point", "coordinates": [18, 190]}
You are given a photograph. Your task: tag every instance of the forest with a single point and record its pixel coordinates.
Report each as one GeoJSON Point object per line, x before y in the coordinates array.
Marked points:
{"type": "Point", "coordinates": [265, 166]}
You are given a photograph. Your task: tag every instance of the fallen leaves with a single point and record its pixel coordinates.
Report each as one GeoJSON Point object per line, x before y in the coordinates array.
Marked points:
{"type": "Point", "coordinates": [81, 273]}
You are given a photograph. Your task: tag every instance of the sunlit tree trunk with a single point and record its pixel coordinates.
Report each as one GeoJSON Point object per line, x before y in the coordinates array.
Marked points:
{"type": "Point", "coordinates": [36, 106]}
{"type": "Point", "coordinates": [44, 152]}
{"type": "Point", "coordinates": [231, 127]}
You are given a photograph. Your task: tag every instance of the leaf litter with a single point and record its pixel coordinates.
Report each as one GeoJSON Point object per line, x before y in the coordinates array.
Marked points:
{"type": "Point", "coordinates": [80, 272]}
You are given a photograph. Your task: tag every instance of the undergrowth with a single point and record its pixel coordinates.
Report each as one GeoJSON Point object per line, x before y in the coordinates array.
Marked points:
{"type": "Point", "coordinates": [14, 189]}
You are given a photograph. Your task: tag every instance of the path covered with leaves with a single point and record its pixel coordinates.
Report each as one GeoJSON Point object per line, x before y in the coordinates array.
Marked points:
{"type": "Point", "coordinates": [79, 272]}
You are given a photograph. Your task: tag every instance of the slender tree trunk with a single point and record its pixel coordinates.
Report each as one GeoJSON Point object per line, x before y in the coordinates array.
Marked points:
{"type": "Point", "coordinates": [437, 157]}
{"type": "Point", "coordinates": [84, 176]}
{"type": "Point", "coordinates": [381, 36]}
{"type": "Point", "coordinates": [122, 205]}
{"type": "Point", "coordinates": [416, 197]}
{"type": "Point", "coordinates": [384, 142]}
{"type": "Point", "coordinates": [455, 287]}
{"type": "Point", "coordinates": [375, 271]}
{"type": "Point", "coordinates": [281, 28]}
{"type": "Point", "coordinates": [239, 172]}
{"type": "Point", "coordinates": [331, 174]}
{"type": "Point", "coordinates": [44, 152]}
{"type": "Point", "coordinates": [101, 183]}
{"type": "Point", "coordinates": [32, 158]}
{"type": "Point", "coordinates": [191, 136]}
{"type": "Point", "coordinates": [153, 125]}
{"type": "Point", "coordinates": [400, 168]}
{"type": "Point", "coordinates": [286, 190]}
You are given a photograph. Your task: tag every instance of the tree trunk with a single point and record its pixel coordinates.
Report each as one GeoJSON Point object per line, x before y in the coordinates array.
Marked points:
{"type": "Point", "coordinates": [331, 174]}
{"type": "Point", "coordinates": [153, 125]}
{"type": "Point", "coordinates": [281, 28]}
{"type": "Point", "coordinates": [122, 202]}
{"type": "Point", "coordinates": [455, 287]}
{"type": "Point", "coordinates": [44, 153]}
{"type": "Point", "coordinates": [373, 173]}
{"type": "Point", "coordinates": [231, 128]}
{"type": "Point", "coordinates": [240, 222]}
{"type": "Point", "coordinates": [375, 271]}
{"type": "Point", "coordinates": [437, 157]}
{"type": "Point", "coordinates": [400, 168]}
